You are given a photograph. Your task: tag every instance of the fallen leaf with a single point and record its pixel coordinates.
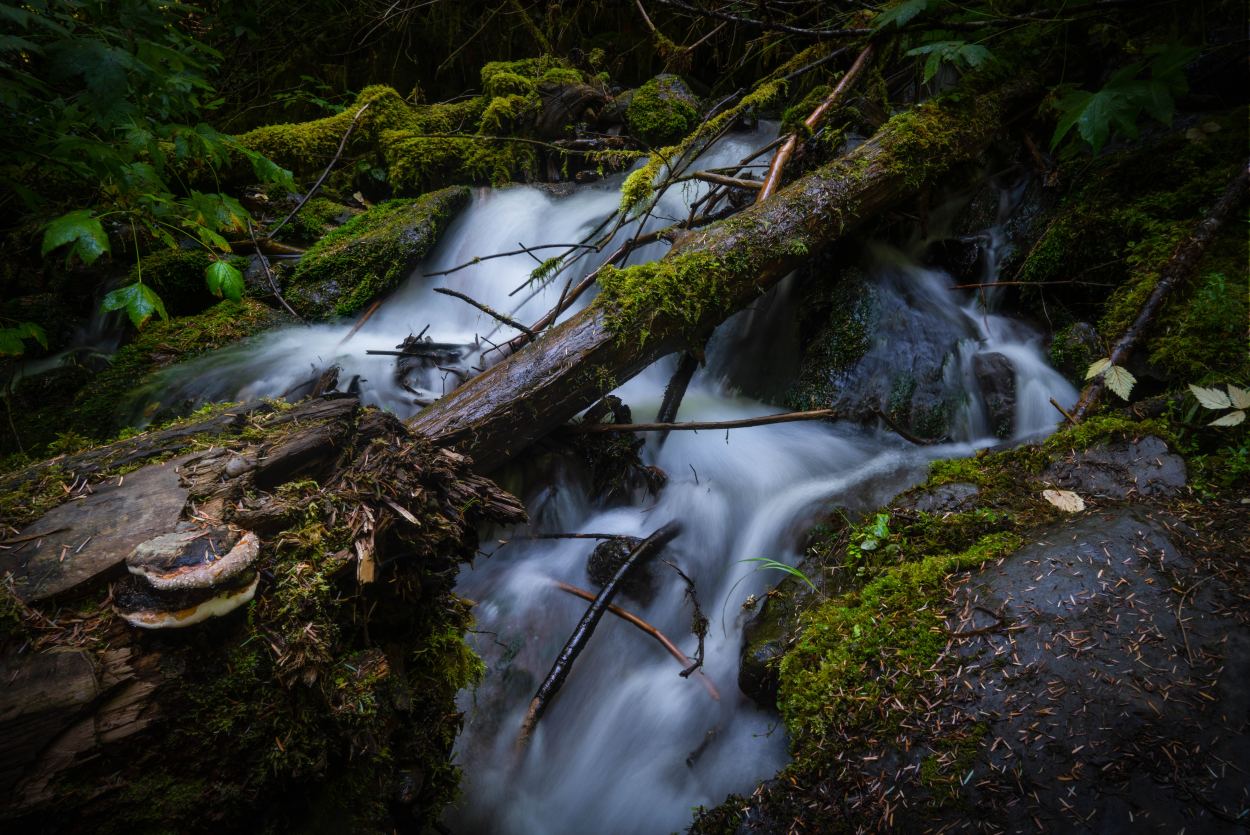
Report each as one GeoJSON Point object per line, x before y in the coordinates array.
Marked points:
{"type": "Point", "coordinates": [1210, 398]}
{"type": "Point", "coordinates": [1065, 500]}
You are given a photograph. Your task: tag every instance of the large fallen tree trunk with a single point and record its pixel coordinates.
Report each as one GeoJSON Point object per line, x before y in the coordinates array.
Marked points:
{"type": "Point", "coordinates": [648, 311]}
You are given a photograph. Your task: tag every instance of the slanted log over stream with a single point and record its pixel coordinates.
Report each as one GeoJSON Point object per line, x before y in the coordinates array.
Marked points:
{"type": "Point", "coordinates": [326, 686]}
{"type": "Point", "coordinates": [649, 311]}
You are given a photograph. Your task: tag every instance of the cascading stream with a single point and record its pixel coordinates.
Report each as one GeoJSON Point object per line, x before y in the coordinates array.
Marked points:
{"type": "Point", "coordinates": [628, 745]}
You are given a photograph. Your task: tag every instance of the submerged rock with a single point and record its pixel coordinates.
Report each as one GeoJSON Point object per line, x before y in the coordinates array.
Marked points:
{"type": "Point", "coordinates": [371, 254]}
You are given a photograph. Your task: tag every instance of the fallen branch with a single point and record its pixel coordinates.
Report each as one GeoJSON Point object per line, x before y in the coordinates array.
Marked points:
{"type": "Point", "coordinates": [264, 262]}
{"type": "Point", "coordinates": [360, 323]}
{"type": "Point", "coordinates": [903, 433]}
{"type": "Point", "coordinates": [772, 182]}
{"type": "Point", "coordinates": [523, 250]}
{"type": "Point", "coordinates": [646, 549]}
{"type": "Point", "coordinates": [488, 310]}
{"type": "Point", "coordinates": [1182, 263]}
{"type": "Point", "coordinates": [625, 615]}
{"type": "Point", "coordinates": [741, 423]}
{"type": "Point", "coordinates": [723, 180]}
{"type": "Point", "coordinates": [326, 173]}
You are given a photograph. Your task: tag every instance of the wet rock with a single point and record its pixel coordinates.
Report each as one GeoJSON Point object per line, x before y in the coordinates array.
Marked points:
{"type": "Point", "coordinates": [996, 377]}
{"type": "Point", "coordinates": [662, 111]}
{"type": "Point", "coordinates": [371, 254]}
{"type": "Point", "coordinates": [564, 105]}
{"type": "Point", "coordinates": [608, 556]}
{"type": "Point", "coordinates": [963, 258]}
{"type": "Point", "coordinates": [1120, 470]}
{"type": "Point", "coordinates": [765, 639]}
{"type": "Point", "coordinates": [947, 498]}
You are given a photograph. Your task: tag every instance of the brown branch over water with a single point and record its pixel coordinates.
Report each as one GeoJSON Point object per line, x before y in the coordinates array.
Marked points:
{"type": "Point", "coordinates": [631, 618]}
{"type": "Point", "coordinates": [645, 550]}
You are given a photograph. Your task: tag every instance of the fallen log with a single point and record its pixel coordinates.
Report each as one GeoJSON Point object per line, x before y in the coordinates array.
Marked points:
{"type": "Point", "coordinates": [318, 686]}
{"type": "Point", "coordinates": [1179, 267]}
{"type": "Point", "coordinates": [648, 311]}
{"type": "Point", "coordinates": [551, 685]}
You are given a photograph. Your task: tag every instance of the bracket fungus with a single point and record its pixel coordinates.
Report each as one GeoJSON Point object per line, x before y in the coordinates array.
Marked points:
{"type": "Point", "coordinates": [182, 578]}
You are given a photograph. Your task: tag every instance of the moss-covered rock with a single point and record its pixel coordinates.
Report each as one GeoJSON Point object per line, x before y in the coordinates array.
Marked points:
{"type": "Point", "coordinates": [662, 111]}
{"type": "Point", "coordinates": [371, 254]}
{"type": "Point", "coordinates": [177, 275]}
{"type": "Point", "coordinates": [100, 407]}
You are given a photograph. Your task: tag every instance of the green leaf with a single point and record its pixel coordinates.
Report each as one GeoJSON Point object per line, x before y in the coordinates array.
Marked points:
{"type": "Point", "coordinates": [1211, 398]}
{"type": "Point", "coordinates": [900, 14]}
{"type": "Point", "coordinates": [960, 54]}
{"type": "Point", "coordinates": [224, 280]}
{"type": "Point", "coordinates": [1230, 419]}
{"type": "Point", "coordinates": [11, 339]}
{"type": "Point", "coordinates": [80, 229]}
{"type": "Point", "coordinates": [1120, 381]}
{"type": "Point", "coordinates": [765, 562]}
{"type": "Point", "coordinates": [138, 300]}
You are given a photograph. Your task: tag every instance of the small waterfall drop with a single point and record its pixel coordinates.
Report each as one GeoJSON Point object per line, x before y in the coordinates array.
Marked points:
{"type": "Point", "coordinates": [629, 745]}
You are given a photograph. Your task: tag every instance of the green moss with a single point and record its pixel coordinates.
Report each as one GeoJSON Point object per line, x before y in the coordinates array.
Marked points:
{"type": "Point", "coordinates": [684, 288]}
{"type": "Point", "coordinates": [661, 111]}
{"type": "Point", "coordinates": [865, 653]}
{"type": "Point", "coordinates": [563, 76]}
{"type": "Point", "coordinates": [318, 217]}
{"type": "Point", "coordinates": [96, 413]}
{"type": "Point", "coordinates": [509, 84]}
{"type": "Point", "coordinates": [371, 254]}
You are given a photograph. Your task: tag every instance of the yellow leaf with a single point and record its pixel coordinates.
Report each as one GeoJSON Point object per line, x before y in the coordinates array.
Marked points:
{"type": "Point", "coordinates": [1065, 500]}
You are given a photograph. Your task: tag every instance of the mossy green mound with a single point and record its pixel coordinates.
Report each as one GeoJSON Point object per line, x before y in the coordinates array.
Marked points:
{"type": "Point", "coordinates": [662, 111]}
{"type": "Point", "coordinates": [371, 254]}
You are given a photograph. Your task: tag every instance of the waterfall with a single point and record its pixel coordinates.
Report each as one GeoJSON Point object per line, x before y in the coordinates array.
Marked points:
{"type": "Point", "coordinates": [628, 745]}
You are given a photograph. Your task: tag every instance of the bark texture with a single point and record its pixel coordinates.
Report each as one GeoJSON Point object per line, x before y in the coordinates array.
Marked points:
{"type": "Point", "coordinates": [647, 312]}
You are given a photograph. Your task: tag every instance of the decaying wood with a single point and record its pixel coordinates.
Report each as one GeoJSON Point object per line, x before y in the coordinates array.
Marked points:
{"type": "Point", "coordinates": [533, 391]}
{"type": "Point", "coordinates": [551, 685]}
{"type": "Point", "coordinates": [90, 699]}
{"type": "Point", "coordinates": [772, 181]}
{"type": "Point", "coordinates": [633, 619]}
{"type": "Point", "coordinates": [741, 423]}
{"type": "Point", "coordinates": [1179, 267]}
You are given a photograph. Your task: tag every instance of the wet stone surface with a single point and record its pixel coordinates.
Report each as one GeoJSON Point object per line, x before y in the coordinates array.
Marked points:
{"type": "Point", "coordinates": [1142, 468]}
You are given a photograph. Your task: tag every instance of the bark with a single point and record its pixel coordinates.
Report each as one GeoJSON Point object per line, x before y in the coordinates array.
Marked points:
{"type": "Point", "coordinates": [1179, 267]}
{"type": "Point", "coordinates": [231, 724]}
{"type": "Point", "coordinates": [500, 412]}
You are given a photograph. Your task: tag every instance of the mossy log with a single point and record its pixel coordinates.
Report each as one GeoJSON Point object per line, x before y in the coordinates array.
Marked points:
{"type": "Point", "coordinates": [648, 311]}
{"type": "Point", "coordinates": [327, 703]}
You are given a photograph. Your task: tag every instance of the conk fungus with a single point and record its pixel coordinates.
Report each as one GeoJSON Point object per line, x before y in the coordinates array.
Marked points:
{"type": "Point", "coordinates": [183, 578]}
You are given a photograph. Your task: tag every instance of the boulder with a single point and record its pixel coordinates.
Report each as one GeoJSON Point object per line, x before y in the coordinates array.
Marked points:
{"type": "Point", "coordinates": [662, 111]}
{"type": "Point", "coordinates": [371, 254]}
{"type": "Point", "coordinates": [1120, 470]}
{"type": "Point", "coordinates": [996, 377]}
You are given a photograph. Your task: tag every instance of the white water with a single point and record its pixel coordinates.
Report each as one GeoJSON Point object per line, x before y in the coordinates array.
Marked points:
{"type": "Point", "coordinates": [610, 755]}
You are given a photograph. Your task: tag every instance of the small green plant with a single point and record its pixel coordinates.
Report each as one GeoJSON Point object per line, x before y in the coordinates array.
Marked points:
{"type": "Point", "coordinates": [767, 563]}
{"type": "Point", "coordinates": [1137, 88]}
{"type": "Point", "coordinates": [869, 538]}
{"type": "Point", "coordinates": [1237, 400]}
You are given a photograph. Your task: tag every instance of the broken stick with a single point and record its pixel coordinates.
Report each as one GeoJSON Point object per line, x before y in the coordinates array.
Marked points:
{"type": "Point", "coordinates": [645, 550]}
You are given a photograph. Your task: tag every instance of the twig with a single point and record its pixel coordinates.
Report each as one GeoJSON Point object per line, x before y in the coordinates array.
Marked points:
{"type": "Point", "coordinates": [488, 310]}
{"type": "Point", "coordinates": [903, 433]}
{"type": "Point", "coordinates": [360, 323]}
{"type": "Point", "coordinates": [625, 615]}
{"type": "Point", "coordinates": [784, 417]}
{"type": "Point", "coordinates": [722, 180]}
{"type": "Point", "coordinates": [765, 25]}
{"type": "Point", "coordinates": [1067, 416]}
{"type": "Point", "coordinates": [1183, 262]}
{"type": "Point", "coordinates": [326, 173]}
{"type": "Point", "coordinates": [523, 249]}
{"type": "Point", "coordinates": [773, 181]}
{"type": "Point", "coordinates": [264, 262]}
{"type": "Point", "coordinates": [646, 549]}
{"type": "Point", "coordinates": [698, 621]}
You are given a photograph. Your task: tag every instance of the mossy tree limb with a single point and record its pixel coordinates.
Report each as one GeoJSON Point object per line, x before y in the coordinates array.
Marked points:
{"type": "Point", "coordinates": [648, 311]}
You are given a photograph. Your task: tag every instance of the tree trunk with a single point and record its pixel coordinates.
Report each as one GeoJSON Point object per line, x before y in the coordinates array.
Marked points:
{"type": "Point", "coordinates": [649, 311]}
